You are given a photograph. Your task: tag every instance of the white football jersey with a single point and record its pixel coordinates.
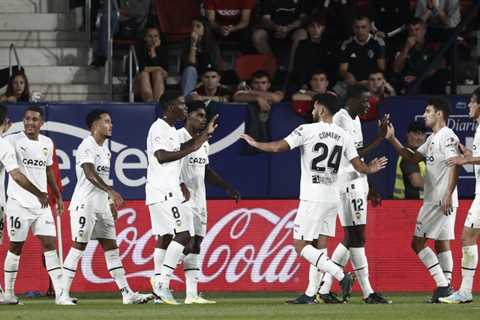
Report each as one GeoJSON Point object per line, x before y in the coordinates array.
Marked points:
{"type": "Point", "coordinates": [438, 148]}
{"type": "Point", "coordinates": [33, 157]}
{"type": "Point", "coordinates": [476, 153]}
{"type": "Point", "coordinates": [193, 172]}
{"type": "Point", "coordinates": [322, 147]}
{"type": "Point", "coordinates": [8, 162]}
{"type": "Point", "coordinates": [354, 129]}
{"type": "Point", "coordinates": [162, 179]}
{"type": "Point", "coordinates": [85, 192]}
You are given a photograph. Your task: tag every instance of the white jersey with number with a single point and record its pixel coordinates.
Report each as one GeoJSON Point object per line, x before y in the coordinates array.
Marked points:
{"type": "Point", "coordinates": [85, 192]}
{"type": "Point", "coordinates": [163, 180]}
{"type": "Point", "coordinates": [193, 172]}
{"type": "Point", "coordinates": [322, 147]}
{"type": "Point", "coordinates": [8, 162]}
{"type": "Point", "coordinates": [33, 157]}
{"type": "Point", "coordinates": [476, 153]}
{"type": "Point", "coordinates": [438, 148]}
{"type": "Point", "coordinates": [353, 127]}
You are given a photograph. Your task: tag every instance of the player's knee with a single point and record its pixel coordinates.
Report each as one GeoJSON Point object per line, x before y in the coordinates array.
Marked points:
{"type": "Point", "coordinates": [164, 241]}
{"type": "Point", "coordinates": [16, 248]}
{"type": "Point", "coordinates": [183, 238]}
{"type": "Point", "coordinates": [417, 245]}
{"type": "Point", "coordinates": [469, 238]}
{"type": "Point", "coordinates": [299, 245]}
{"type": "Point", "coordinates": [442, 245]}
{"type": "Point", "coordinates": [79, 246]}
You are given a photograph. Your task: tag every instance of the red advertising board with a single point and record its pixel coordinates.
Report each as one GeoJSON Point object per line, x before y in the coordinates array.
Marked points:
{"type": "Point", "coordinates": [248, 247]}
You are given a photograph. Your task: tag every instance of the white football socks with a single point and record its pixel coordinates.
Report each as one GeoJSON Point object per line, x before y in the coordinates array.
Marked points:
{"type": "Point", "coordinates": [430, 261]}
{"type": "Point", "coordinates": [70, 268]}
{"type": "Point", "coordinates": [115, 267]}
{"type": "Point", "coordinates": [340, 257]}
{"type": "Point", "coordinates": [54, 270]}
{"type": "Point", "coordinates": [158, 257]}
{"type": "Point", "coordinates": [192, 269]}
{"type": "Point", "coordinates": [314, 278]}
{"type": "Point", "coordinates": [446, 263]}
{"type": "Point", "coordinates": [11, 269]}
{"type": "Point", "coordinates": [319, 258]}
{"type": "Point", "coordinates": [174, 251]}
{"type": "Point", "coordinates": [469, 265]}
{"type": "Point", "coordinates": [360, 266]}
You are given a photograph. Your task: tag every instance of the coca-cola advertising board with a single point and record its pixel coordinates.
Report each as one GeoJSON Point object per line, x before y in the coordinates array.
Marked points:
{"type": "Point", "coordinates": [249, 247]}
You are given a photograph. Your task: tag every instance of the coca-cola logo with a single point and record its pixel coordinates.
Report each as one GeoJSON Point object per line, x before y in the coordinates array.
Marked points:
{"type": "Point", "coordinates": [248, 244]}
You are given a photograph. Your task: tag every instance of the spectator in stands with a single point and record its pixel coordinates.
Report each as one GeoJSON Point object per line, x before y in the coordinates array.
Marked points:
{"type": "Point", "coordinates": [230, 19]}
{"type": "Point", "coordinates": [359, 55]}
{"type": "Point", "coordinates": [129, 20]}
{"type": "Point", "coordinates": [17, 90]}
{"type": "Point", "coordinates": [202, 51]}
{"type": "Point", "coordinates": [312, 54]}
{"type": "Point", "coordinates": [409, 176]}
{"type": "Point", "coordinates": [379, 89]}
{"type": "Point", "coordinates": [282, 23]}
{"type": "Point", "coordinates": [413, 60]}
{"type": "Point", "coordinates": [438, 15]}
{"type": "Point", "coordinates": [153, 63]}
{"type": "Point", "coordinates": [210, 88]}
{"type": "Point", "coordinates": [302, 101]}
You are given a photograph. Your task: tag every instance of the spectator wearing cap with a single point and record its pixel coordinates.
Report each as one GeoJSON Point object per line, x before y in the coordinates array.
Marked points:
{"type": "Point", "coordinates": [312, 54]}
{"type": "Point", "coordinates": [153, 64]}
{"type": "Point", "coordinates": [230, 19]}
{"type": "Point", "coordinates": [409, 176]}
{"type": "Point", "coordinates": [359, 55]}
{"type": "Point", "coordinates": [201, 52]}
{"type": "Point", "coordinates": [282, 23]}
{"type": "Point", "coordinates": [210, 88]}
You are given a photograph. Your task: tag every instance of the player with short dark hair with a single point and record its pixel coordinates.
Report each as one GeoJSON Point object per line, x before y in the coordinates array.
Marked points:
{"type": "Point", "coordinates": [471, 228]}
{"type": "Point", "coordinates": [323, 146]}
{"type": "Point", "coordinates": [34, 155]}
{"type": "Point", "coordinates": [436, 218]}
{"type": "Point", "coordinates": [93, 208]}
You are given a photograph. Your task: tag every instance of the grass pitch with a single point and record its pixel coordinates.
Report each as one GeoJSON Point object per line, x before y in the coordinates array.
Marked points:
{"type": "Point", "coordinates": [241, 306]}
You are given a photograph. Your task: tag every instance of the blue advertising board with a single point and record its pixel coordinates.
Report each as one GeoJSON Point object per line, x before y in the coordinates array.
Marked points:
{"type": "Point", "coordinates": [257, 175]}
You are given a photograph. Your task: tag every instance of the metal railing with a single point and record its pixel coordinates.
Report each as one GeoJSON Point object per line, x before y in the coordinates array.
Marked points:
{"type": "Point", "coordinates": [132, 58]}
{"type": "Point", "coordinates": [10, 66]}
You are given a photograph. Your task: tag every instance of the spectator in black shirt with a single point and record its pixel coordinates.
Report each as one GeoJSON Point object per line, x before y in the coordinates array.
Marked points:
{"type": "Point", "coordinates": [18, 89]}
{"type": "Point", "coordinates": [312, 54]}
{"type": "Point", "coordinates": [359, 55]}
{"type": "Point", "coordinates": [282, 20]}
{"type": "Point", "coordinates": [153, 63]}
{"type": "Point", "coordinates": [210, 88]}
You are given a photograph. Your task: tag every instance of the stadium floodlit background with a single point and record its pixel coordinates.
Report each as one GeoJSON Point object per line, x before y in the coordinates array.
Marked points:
{"type": "Point", "coordinates": [249, 245]}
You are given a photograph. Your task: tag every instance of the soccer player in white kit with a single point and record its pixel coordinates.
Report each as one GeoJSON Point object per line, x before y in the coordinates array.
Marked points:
{"type": "Point", "coordinates": [436, 218]}
{"type": "Point", "coordinates": [322, 146]}
{"type": "Point", "coordinates": [354, 194]}
{"type": "Point", "coordinates": [34, 153]}
{"type": "Point", "coordinates": [8, 162]}
{"type": "Point", "coordinates": [93, 208]}
{"type": "Point", "coordinates": [195, 170]}
{"type": "Point", "coordinates": [471, 228]}
{"type": "Point", "coordinates": [164, 196]}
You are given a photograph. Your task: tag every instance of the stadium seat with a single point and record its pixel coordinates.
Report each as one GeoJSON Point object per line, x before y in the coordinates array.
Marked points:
{"type": "Point", "coordinates": [175, 18]}
{"type": "Point", "coordinates": [246, 65]}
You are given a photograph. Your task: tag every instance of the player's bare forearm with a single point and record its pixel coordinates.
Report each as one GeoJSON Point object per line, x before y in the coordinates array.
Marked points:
{"type": "Point", "coordinates": [359, 165]}
{"type": "Point", "coordinates": [453, 173]}
{"type": "Point", "coordinates": [370, 147]}
{"type": "Point", "coordinates": [23, 181]}
{"type": "Point", "coordinates": [404, 152]}
{"type": "Point", "coordinates": [52, 182]}
{"type": "Point", "coordinates": [94, 178]}
{"type": "Point", "coordinates": [215, 179]}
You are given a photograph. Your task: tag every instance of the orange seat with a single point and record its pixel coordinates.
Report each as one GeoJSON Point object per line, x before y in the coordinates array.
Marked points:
{"type": "Point", "coordinates": [175, 18]}
{"type": "Point", "coordinates": [246, 65]}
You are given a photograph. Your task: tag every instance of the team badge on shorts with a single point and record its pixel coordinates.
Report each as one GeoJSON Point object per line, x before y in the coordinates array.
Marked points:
{"type": "Point", "coordinates": [12, 232]}
{"type": "Point", "coordinates": [80, 233]}
{"type": "Point", "coordinates": [358, 215]}
{"type": "Point", "coordinates": [179, 223]}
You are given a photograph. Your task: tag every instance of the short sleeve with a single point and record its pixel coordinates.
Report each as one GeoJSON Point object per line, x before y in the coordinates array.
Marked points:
{"type": "Point", "coordinates": [350, 151]}
{"type": "Point", "coordinates": [159, 139]}
{"type": "Point", "coordinates": [7, 157]}
{"type": "Point", "coordinates": [450, 145]}
{"type": "Point", "coordinates": [339, 120]}
{"type": "Point", "coordinates": [85, 154]}
{"type": "Point", "coordinates": [423, 148]}
{"type": "Point", "coordinates": [50, 153]}
{"type": "Point", "coordinates": [296, 137]}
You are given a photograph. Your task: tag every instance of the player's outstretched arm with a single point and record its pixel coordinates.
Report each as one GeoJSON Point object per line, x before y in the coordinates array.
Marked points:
{"type": "Point", "coordinates": [373, 166]}
{"type": "Point", "coordinates": [274, 146]}
{"type": "Point", "coordinates": [52, 182]}
{"type": "Point", "coordinates": [190, 146]}
{"type": "Point", "coordinates": [415, 157]}
{"type": "Point", "coordinates": [23, 181]}
{"type": "Point", "coordinates": [214, 178]}
{"type": "Point", "coordinates": [382, 133]}
{"type": "Point", "coordinates": [97, 181]}
{"type": "Point", "coordinates": [466, 158]}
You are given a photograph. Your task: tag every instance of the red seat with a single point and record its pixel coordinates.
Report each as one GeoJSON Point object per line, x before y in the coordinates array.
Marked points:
{"type": "Point", "coordinates": [175, 17]}
{"type": "Point", "coordinates": [246, 65]}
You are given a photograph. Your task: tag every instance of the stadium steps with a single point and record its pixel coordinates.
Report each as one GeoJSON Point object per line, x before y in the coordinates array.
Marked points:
{"type": "Point", "coordinates": [55, 55]}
